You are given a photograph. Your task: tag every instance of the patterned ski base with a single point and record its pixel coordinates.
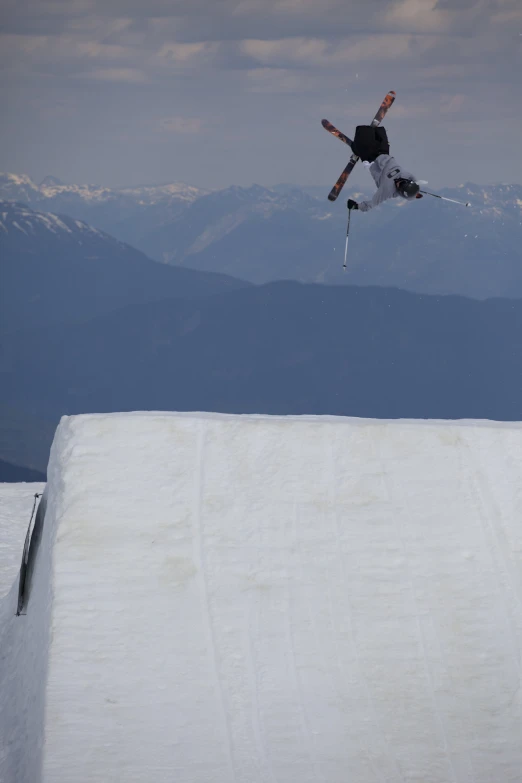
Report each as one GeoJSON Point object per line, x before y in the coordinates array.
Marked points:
{"type": "Point", "coordinates": [339, 185]}
{"type": "Point", "coordinates": [336, 132]}
{"type": "Point", "coordinates": [383, 108]}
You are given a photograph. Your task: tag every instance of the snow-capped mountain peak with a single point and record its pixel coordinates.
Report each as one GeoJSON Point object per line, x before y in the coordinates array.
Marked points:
{"type": "Point", "coordinates": [17, 187]}
{"type": "Point", "coordinates": [21, 188]}
{"type": "Point", "coordinates": [17, 218]}
{"type": "Point", "coordinates": [126, 212]}
{"type": "Point", "coordinates": [51, 181]}
{"type": "Point", "coordinates": [152, 194]}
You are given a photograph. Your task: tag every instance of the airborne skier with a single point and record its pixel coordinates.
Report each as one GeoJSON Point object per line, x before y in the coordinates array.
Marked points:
{"type": "Point", "coordinates": [371, 146]}
{"type": "Point", "coordinates": [381, 113]}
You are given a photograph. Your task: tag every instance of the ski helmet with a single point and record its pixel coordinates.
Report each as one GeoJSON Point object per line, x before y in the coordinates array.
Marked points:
{"type": "Point", "coordinates": [408, 188]}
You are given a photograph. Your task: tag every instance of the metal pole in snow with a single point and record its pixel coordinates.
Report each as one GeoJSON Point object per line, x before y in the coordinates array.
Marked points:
{"type": "Point", "coordinates": [347, 235]}
{"type": "Point", "coordinates": [443, 198]}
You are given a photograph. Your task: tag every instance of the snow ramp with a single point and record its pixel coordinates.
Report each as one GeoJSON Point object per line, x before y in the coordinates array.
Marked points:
{"type": "Point", "coordinates": [255, 599]}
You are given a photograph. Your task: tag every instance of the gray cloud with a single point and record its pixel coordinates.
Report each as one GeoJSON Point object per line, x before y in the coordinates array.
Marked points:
{"type": "Point", "coordinates": [238, 19]}
{"type": "Point", "coordinates": [233, 90]}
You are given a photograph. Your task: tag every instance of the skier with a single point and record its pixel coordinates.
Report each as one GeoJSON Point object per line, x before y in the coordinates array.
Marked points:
{"type": "Point", "coordinates": [371, 145]}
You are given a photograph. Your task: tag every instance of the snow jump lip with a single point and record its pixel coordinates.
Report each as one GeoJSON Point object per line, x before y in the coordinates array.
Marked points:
{"type": "Point", "coordinates": [255, 597]}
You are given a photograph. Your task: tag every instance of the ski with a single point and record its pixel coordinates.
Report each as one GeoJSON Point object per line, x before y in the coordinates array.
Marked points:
{"type": "Point", "coordinates": [336, 132]}
{"type": "Point", "coordinates": [383, 108]}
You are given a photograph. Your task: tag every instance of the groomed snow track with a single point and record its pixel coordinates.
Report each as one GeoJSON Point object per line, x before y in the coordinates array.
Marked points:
{"type": "Point", "coordinates": [250, 599]}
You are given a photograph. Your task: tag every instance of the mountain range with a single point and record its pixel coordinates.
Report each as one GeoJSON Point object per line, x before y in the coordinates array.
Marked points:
{"type": "Point", "coordinates": [126, 213]}
{"type": "Point", "coordinates": [263, 234]}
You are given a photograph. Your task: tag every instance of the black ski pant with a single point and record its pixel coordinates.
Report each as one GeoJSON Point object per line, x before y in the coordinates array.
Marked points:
{"type": "Point", "coordinates": [370, 142]}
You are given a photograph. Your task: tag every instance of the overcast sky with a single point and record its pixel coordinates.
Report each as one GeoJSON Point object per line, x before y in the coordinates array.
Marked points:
{"type": "Point", "coordinates": [221, 92]}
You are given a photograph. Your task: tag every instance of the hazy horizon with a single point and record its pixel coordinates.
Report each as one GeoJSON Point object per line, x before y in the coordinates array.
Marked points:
{"type": "Point", "coordinates": [362, 186]}
{"type": "Point", "coordinates": [233, 91]}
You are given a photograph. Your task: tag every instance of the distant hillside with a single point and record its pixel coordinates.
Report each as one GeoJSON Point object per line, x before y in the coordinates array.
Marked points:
{"type": "Point", "coordinates": [54, 268]}
{"type": "Point", "coordinates": [439, 248]}
{"type": "Point", "coordinates": [280, 348]}
{"type": "Point", "coordinates": [220, 217]}
{"type": "Point", "coordinates": [13, 473]}
{"type": "Point", "coordinates": [428, 246]}
{"type": "Point", "coordinates": [24, 436]}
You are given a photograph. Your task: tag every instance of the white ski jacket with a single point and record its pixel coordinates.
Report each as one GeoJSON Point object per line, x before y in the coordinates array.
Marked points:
{"type": "Point", "coordinates": [384, 171]}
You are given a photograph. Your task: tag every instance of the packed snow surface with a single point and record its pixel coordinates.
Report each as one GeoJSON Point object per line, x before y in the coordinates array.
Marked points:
{"type": "Point", "coordinates": [253, 599]}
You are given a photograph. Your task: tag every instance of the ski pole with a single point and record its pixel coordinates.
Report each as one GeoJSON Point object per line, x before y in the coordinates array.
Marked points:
{"type": "Point", "coordinates": [427, 193]}
{"type": "Point", "coordinates": [347, 235]}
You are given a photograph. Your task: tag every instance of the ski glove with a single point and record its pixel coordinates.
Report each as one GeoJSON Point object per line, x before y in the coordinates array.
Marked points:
{"type": "Point", "coordinates": [352, 204]}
